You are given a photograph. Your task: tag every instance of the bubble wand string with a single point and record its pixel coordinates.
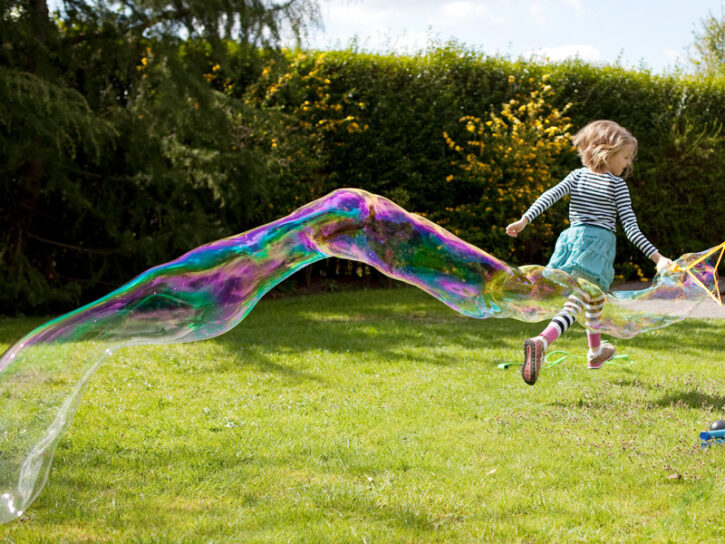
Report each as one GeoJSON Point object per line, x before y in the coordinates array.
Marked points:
{"type": "Point", "coordinates": [566, 355]}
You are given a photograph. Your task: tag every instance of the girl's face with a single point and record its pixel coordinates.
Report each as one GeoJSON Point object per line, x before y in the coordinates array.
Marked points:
{"type": "Point", "coordinates": [621, 160]}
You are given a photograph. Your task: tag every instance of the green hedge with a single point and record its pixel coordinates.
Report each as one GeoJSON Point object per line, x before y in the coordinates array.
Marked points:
{"type": "Point", "coordinates": [679, 177]}
{"type": "Point", "coordinates": [167, 182]}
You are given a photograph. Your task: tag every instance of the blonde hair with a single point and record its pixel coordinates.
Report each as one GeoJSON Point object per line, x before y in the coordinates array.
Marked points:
{"type": "Point", "coordinates": [599, 141]}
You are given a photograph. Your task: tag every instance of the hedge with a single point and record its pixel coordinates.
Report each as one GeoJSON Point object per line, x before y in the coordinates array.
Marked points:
{"type": "Point", "coordinates": [398, 126]}
{"type": "Point", "coordinates": [407, 104]}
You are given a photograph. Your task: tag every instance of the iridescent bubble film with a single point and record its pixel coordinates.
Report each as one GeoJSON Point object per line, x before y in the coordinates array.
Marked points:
{"type": "Point", "coordinates": [209, 290]}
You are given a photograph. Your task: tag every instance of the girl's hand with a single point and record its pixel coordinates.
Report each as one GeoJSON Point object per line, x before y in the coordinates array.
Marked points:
{"type": "Point", "coordinates": [663, 263]}
{"type": "Point", "coordinates": [514, 228]}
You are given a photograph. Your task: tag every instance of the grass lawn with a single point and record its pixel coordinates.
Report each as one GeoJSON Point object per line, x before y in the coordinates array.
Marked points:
{"type": "Point", "coordinates": [381, 416]}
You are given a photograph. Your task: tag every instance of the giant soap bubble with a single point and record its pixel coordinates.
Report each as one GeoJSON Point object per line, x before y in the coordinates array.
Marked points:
{"type": "Point", "coordinates": [209, 290]}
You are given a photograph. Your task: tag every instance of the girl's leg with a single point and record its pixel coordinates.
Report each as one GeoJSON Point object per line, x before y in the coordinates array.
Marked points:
{"type": "Point", "coordinates": [599, 352]}
{"type": "Point", "coordinates": [535, 348]}
{"type": "Point", "coordinates": [563, 320]}
{"type": "Point", "coordinates": [593, 317]}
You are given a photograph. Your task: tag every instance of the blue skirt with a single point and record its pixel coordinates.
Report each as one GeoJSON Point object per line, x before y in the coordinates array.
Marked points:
{"type": "Point", "coordinates": [586, 251]}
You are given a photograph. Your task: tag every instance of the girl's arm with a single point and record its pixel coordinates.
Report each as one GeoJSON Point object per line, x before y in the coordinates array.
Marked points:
{"type": "Point", "coordinates": [544, 202]}
{"type": "Point", "coordinates": [514, 228]}
{"type": "Point", "coordinates": [661, 261]}
{"type": "Point", "coordinates": [631, 228]}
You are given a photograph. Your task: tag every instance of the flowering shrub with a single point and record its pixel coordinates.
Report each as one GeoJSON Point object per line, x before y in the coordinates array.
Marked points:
{"type": "Point", "coordinates": [470, 142]}
{"type": "Point", "coordinates": [507, 159]}
{"type": "Point", "coordinates": [314, 120]}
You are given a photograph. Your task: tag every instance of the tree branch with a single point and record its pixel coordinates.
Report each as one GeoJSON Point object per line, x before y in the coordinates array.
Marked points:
{"type": "Point", "coordinates": [169, 15]}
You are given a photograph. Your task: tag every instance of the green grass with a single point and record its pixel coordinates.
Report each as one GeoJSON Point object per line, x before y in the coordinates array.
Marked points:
{"type": "Point", "coordinates": [381, 416]}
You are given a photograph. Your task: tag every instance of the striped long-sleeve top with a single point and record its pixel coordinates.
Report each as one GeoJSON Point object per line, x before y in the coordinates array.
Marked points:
{"type": "Point", "coordinates": [596, 199]}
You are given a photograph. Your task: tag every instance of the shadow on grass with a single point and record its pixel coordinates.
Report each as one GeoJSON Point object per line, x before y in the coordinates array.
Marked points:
{"type": "Point", "coordinates": [392, 337]}
{"type": "Point", "coordinates": [693, 399]}
{"type": "Point", "coordinates": [647, 393]}
{"type": "Point", "coordinates": [687, 338]}
{"type": "Point", "coordinates": [406, 325]}
{"type": "Point", "coordinates": [402, 326]}
{"type": "Point", "coordinates": [397, 326]}
{"type": "Point", "coordinates": [255, 355]}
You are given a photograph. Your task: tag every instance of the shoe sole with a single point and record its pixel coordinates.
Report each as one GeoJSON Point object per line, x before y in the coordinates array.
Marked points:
{"type": "Point", "coordinates": [532, 362]}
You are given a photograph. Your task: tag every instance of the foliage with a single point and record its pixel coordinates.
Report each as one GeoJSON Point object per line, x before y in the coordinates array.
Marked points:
{"type": "Point", "coordinates": [44, 129]}
{"type": "Point", "coordinates": [129, 145]}
{"type": "Point", "coordinates": [412, 102]}
{"type": "Point", "coordinates": [708, 55]}
{"type": "Point", "coordinates": [315, 124]}
{"type": "Point", "coordinates": [508, 160]}
{"type": "Point", "coordinates": [124, 140]}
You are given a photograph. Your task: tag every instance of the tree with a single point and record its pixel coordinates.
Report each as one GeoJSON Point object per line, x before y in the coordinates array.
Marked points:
{"type": "Point", "coordinates": [708, 56]}
{"type": "Point", "coordinates": [122, 142]}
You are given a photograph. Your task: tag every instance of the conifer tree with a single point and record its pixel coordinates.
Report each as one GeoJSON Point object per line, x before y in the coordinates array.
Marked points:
{"type": "Point", "coordinates": [122, 142]}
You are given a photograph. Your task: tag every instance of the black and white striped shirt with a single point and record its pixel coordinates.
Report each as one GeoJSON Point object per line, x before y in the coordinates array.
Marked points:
{"type": "Point", "coordinates": [596, 199]}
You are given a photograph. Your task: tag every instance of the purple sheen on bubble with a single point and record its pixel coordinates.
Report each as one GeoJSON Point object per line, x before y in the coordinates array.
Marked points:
{"type": "Point", "coordinates": [210, 289]}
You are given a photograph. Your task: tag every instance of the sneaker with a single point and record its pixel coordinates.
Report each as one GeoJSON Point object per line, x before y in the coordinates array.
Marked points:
{"type": "Point", "coordinates": [595, 359]}
{"type": "Point", "coordinates": [534, 350]}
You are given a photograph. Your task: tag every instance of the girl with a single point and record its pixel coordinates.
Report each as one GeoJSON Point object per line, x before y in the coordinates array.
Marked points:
{"type": "Point", "coordinates": [586, 249]}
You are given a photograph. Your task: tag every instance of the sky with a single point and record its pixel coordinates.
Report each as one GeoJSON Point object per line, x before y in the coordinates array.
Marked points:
{"type": "Point", "coordinates": [636, 33]}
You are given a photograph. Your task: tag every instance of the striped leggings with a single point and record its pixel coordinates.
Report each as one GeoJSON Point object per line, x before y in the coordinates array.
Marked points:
{"type": "Point", "coordinates": [592, 308]}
